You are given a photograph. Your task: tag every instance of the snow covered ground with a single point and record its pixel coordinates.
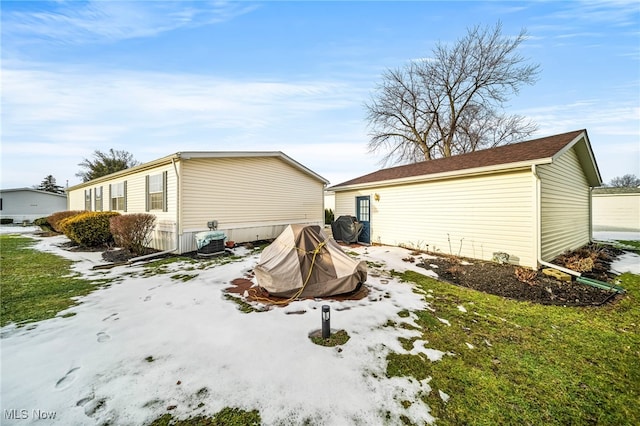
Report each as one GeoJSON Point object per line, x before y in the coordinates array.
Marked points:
{"type": "Point", "coordinates": [149, 342]}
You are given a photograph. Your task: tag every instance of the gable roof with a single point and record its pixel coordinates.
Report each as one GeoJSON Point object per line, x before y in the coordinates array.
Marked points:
{"type": "Point", "coordinates": [187, 155]}
{"type": "Point", "coordinates": [518, 155]}
{"type": "Point", "coordinates": [37, 191]}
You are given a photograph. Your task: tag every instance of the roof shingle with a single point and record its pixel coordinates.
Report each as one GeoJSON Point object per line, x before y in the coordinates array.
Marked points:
{"type": "Point", "coordinates": [519, 152]}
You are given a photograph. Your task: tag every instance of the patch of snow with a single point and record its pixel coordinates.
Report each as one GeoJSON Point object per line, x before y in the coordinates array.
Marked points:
{"type": "Point", "coordinates": [628, 262]}
{"type": "Point", "coordinates": [469, 345]}
{"type": "Point", "coordinates": [147, 342]}
{"type": "Point", "coordinates": [19, 229]}
{"type": "Point", "coordinates": [431, 354]}
{"type": "Point", "coordinates": [444, 321]}
{"type": "Point", "coordinates": [443, 396]}
{"type": "Point", "coordinates": [462, 308]}
{"type": "Point", "coordinates": [616, 236]}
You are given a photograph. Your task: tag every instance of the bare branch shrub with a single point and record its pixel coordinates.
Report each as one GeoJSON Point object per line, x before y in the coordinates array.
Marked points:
{"type": "Point", "coordinates": [133, 231]}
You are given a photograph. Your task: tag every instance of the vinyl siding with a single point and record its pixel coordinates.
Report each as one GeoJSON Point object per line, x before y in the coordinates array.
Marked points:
{"type": "Point", "coordinates": [30, 205]}
{"type": "Point", "coordinates": [164, 235]}
{"type": "Point", "coordinates": [564, 206]}
{"type": "Point", "coordinates": [470, 216]}
{"type": "Point", "coordinates": [616, 212]}
{"type": "Point", "coordinates": [250, 197]}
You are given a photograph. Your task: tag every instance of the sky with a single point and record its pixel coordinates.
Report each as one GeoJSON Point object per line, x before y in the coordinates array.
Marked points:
{"type": "Point", "coordinates": [91, 363]}
{"type": "Point", "coordinates": [158, 77]}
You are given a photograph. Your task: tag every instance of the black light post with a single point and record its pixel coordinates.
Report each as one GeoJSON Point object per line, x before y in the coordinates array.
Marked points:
{"type": "Point", "coordinates": [326, 322]}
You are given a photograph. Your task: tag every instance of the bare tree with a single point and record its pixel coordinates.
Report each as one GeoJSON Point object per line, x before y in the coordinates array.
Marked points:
{"type": "Point", "coordinates": [451, 102]}
{"type": "Point", "coordinates": [105, 163]}
{"type": "Point", "coordinates": [626, 181]}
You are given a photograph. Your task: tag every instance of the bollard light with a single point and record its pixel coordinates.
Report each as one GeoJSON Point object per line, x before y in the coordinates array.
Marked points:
{"type": "Point", "coordinates": [326, 322]}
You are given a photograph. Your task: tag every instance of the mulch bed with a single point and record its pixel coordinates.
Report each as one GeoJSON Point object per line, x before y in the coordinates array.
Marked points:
{"type": "Point", "coordinates": [244, 287]}
{"type": "Point", "coordinates": [501, 280]}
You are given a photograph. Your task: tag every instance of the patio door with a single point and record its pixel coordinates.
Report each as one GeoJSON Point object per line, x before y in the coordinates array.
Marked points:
{"type": "Point", "coordinates": [363, 214]}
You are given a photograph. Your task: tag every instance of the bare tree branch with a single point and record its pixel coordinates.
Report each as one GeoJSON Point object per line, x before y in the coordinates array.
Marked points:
{"type": "Point", "coordinates": [451, 103]}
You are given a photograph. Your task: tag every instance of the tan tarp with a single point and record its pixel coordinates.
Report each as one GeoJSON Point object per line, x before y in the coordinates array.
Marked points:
{"type": "Point", "coordinates": [303, 256]}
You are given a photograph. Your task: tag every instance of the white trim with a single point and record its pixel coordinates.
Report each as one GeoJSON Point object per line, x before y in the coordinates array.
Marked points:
{"type": "Point", "coordinates": [200, 154]}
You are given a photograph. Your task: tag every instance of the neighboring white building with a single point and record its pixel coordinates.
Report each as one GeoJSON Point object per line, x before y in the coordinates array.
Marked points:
{"type": "Point", "coordinates": [530, 200]}
{"type": "Point", "coordinates": [616, 209]}
{"type": "Point", "coordinates": [329, 200]}
{"type": "Point", "coordinates": [29, 204]}
{"type": "Point", "coordinates": [251, 195]}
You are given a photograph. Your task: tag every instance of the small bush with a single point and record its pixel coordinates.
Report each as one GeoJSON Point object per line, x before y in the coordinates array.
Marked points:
{"type": "Point", "coordinates": [6, 221]}
{"type": "Point", "coordinates": [526, 275]}
{"type": "Point", "coordinates": [43, 223]}
{"type": "Point", "coordinates": [54, 219]}
{"type": "Point", "coordinates": [132, 231]}
{"type": "Point", "coordinates": [328, 216]}
{"type": "Point", "coordinates": [90, 228]}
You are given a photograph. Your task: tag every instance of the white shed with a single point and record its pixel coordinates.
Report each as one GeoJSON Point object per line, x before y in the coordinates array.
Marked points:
{"type": "Point", "coordinates": [530, 200]}
{"type": "Point", "coordinates": [251, 195]}
{"type": "Point", "coordinates": [616, 209]}
{"type": "Point", "coordinates": [28, 204]}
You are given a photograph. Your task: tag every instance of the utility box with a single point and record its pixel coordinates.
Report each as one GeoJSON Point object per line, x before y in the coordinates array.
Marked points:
{"type": "Point", "coordinates": [210, 243]}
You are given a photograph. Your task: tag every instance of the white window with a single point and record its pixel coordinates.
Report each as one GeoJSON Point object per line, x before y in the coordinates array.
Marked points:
{"type": "Point", "coordinates": [87, 199]}
{"type": "Point", "coordinates": [97, 198]}
{"type": "Point", "coordinates": [157, 192]}
{"type": "Point", "coordinates": [118, 196]}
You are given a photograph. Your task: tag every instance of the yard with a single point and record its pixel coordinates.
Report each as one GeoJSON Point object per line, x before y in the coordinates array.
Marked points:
{"type": "Point", "coordinates": [165, 341]}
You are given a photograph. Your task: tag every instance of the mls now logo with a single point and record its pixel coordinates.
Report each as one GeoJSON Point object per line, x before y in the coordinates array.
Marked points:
{"type": "Point", "coordinates": [16, 414]}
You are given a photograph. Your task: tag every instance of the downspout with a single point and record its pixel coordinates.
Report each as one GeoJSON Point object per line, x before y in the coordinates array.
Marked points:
{"type": "Point", "coordinates": [176, 244]}
{"type": "Point", "coordinates": [578, 275]}
{"type": "Point", "coordinates": [539, 228]}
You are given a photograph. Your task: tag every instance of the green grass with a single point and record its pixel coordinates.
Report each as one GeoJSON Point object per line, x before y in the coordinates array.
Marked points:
{"type": "Point", "coordinates": [531, 364]}
{"type": "Point", "coordinates": [35, 285]}
{"type": "Point", "coordinates": [340, 337]}
{"type": "Point", "coordinates": [629, 245]}
{"type": "Point", "coordinates": [225, 417]}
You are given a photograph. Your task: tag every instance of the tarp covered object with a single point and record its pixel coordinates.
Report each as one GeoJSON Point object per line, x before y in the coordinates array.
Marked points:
{"type": "Point", "coordinates": [303, 259]}
{"type": "Point", "coordinates": [347, 229]}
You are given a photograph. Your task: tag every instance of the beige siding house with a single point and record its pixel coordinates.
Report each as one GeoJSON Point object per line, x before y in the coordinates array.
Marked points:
{"type": "Point", "coordinates": [251, 195]}
{"type": "Point", "coordinates": [530, 200]}
{"type": "Point", "coordinates": [616, 209]}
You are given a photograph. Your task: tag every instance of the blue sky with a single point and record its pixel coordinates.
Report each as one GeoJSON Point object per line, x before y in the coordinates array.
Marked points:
{"type": "Point", "coordinates": [154, 78]}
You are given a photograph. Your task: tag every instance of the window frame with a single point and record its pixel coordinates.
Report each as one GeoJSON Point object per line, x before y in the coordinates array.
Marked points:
{"type": "Point", "coordinates": [87, 199]}
{"type": "Point", "coordinates": [98, 203]}
{"type": "Point", "coordinates": [152, 189]}
{"type": "Point", "coordinates": [117, 200]}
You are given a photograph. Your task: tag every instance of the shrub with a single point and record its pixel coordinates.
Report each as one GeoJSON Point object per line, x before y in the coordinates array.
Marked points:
{"type": "Point", "coordinates": [43, 223]}
{"type": "Point", "coordinates": [6, 221]}
{"type": "Point", "coordinates": [54, 219]}
{"type": "Point", "coordinates": [328, 216]}
{"type": "Point", "coordinates": [89, 228]}
{"type": "Point", "coordinates": [132, 231]}
{"type": "Point", "coordinates": [526, 275]}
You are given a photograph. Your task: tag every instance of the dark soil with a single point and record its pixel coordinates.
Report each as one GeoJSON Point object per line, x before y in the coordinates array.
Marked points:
{"type": "Point", "coordinates": [123, 255]}
{"type": "Point", "coordinates": [501, 280]}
